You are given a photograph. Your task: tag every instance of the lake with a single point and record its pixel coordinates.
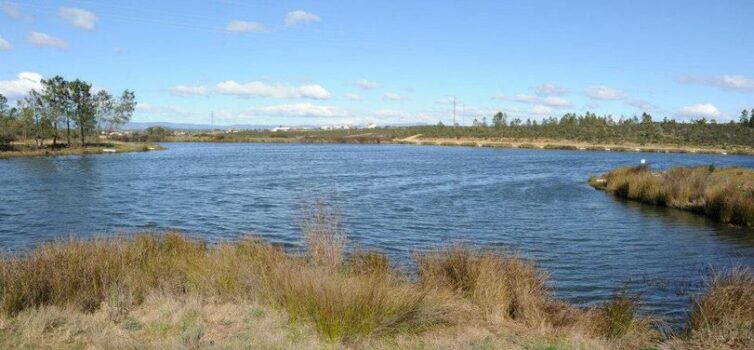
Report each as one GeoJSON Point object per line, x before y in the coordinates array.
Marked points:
{"type": "Point", "coordinates": [396, 198]}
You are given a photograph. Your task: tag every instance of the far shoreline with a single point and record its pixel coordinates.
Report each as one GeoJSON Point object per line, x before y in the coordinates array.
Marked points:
{"type": "Point", "coordinates": [27, 151]}
{"type": "Point", "coordinates": [419, 140]}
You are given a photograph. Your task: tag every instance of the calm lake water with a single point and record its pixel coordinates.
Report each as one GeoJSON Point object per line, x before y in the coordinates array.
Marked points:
{"type": "Point", "coordinates": [396, 198]}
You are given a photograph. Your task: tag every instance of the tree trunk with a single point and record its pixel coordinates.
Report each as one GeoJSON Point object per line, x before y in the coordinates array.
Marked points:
{"type": "Point", "coordinates": [68, 125]}
{"type": "Point", "coordinates": [54, 134]}
{"type": "Point", "coordinates": [82, 136]}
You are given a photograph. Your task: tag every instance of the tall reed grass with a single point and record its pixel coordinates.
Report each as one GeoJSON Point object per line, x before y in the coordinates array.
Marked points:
{"type": "Point", "coordinates": [725, 194]}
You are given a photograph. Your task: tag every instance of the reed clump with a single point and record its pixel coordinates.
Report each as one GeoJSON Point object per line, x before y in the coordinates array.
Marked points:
{"type": "Point", "coordinates": [724, 194]}
{"type": "Point", "coordinates": [501, 286]}
{"type": "Point", "coordinates": [722, 317]}
{"type": "Point", "coordinates": [163, 289]}
{"type": "Point", "coordinates": [728, 303]}
{"type": "Point", "coordinates": [619, 318]}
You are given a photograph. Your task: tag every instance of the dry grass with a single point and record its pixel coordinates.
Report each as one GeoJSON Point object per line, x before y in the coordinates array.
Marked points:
{"type": "Point", "coordinates": [726, 195]}
{"type": "Point", "coordinates": [167, 291]}
{"type": "Point", "coordinates": [503, 287]}
{"type": "Point", "coordinates": [724, 316]}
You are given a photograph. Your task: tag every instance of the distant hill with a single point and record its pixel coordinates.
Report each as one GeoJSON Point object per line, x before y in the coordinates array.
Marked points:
{"type": "Point", "coordinates": [190, 126]}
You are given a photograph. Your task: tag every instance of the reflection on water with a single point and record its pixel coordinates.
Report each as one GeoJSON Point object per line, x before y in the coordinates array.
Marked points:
{"type": "Point", "coordinates": [673, 216]}
{"type": "Point", "coordinates": [395, 198]}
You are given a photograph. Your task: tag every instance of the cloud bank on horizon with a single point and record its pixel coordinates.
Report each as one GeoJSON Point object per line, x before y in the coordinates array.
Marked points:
{"type": "Point", "coordinates": [389, 62]}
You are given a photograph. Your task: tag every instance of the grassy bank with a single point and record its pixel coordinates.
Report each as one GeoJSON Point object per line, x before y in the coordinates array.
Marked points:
{"type": "Point", "coordinates": [561, 144]}
{"type": "Point", "coordinates": [168, 291]}
{"type": "Point", "coordinates": [725, 194]}
{"type": "Point", "coordinates": [398, 136]}
{"type": "Point", "coordinates": [27, 150]}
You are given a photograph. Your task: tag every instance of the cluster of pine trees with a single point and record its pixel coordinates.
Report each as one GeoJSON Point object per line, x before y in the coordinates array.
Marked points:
{"type": "Point", "coordinates": [63, 108]}
{"type": "Point", "coordinates": [590, 127]}
{"type": "Point", "coordinates": [747, 118]}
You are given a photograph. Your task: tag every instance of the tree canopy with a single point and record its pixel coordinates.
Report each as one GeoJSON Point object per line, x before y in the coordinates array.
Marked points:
{"type": "Point", "coordinates": [59, 104]}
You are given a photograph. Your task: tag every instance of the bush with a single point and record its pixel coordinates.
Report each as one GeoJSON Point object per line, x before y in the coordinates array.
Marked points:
{"type": "Point", "coordinates": [620, 316]}
{"type": "Point", "coordinates": [5, 141]}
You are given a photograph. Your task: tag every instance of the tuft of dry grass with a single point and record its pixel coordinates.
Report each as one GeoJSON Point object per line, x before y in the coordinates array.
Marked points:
{"type": "Point", "coordinates": [619, 321]}
{"type": "Point", "coordinates": [723, 316]}
{"type": "Point", "coordinates": [369, 263]}
{"type": "Point", "coordinates": [324, 235]}
{"type": "Point", "coordinates": [503, 287]}
{"type": "Point", "coordinates": [729, 302]}
{"type": "Point", "coordinates": [726, 194]}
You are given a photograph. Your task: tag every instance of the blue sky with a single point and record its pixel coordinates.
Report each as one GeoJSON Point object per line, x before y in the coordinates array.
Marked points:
{"type": "Point", "coordinates": [388, 62]}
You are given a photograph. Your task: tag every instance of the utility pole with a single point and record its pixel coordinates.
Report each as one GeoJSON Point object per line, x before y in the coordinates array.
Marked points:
{"type": "Point", "coordinates": [454, 111]}
{"type": "Point", "coordinates": [463, 114]}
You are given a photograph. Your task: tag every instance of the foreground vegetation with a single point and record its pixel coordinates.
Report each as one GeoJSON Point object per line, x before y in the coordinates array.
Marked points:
{"type": "Point", "coordinates": [168, 291]}
{"type": "Point", "coordinates": [725, 194]}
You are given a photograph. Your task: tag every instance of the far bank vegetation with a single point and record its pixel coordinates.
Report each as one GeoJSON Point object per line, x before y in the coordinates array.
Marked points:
{"type": "Point", "coordinates": [724, 194]}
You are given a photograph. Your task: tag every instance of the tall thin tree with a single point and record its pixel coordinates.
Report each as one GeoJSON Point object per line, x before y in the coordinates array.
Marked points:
{"type": "Point", "coordinates": [83, 107]}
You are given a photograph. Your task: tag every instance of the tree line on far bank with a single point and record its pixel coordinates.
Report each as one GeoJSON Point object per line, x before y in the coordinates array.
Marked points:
{"type": "Point", "coordinates": [590, 127]}
{"type": "Point", "coordinates": [63, 108]}
{"type": "Point", "coordinates": [587, 128]}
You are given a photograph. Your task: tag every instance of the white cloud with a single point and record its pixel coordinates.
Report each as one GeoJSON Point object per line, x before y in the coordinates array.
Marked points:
{"type": "Point", "coordinates": [391, 96]}
{"type": "Point", "coordinates": [551, 89]}
{"type": "Point", "coordinates": [300, 17]}
{"type": "Point", "coordinates": [19, 87]}
{"type": "Point", "coordinates": [314, 91]}
{"type": "Point", "coordinates": [270, 114]}
{"type": "Point", "coordinates": [601, 92]}
{"type": "Point", "coordinates": [353, 97]}
{"type": "Point", "coordinates": [702, 110]}
{"type": "Point", "coordinates": [78, 18]}
{"type": "Point", "coordinates": [367, 85]}
{"type": "Point", "coordinates": [11, 10]}
{"type": "Point", "coordinates": [725, 82]}
{"type": "Point", "coordinates": [189, 90]}
{"type": "Point", "coordinates": [541, 110]}
{"type": "Point", "coordinates": [643, 106]}
{"type": "Point", "coordinates": [244, 26]}
{"type": "Point", "coordinates": [446, 100]}
{"type": "Point", "coordinates": [392, 114]}
{"type": "Point", "coordinates": [299, 110]}
{"type": "Point", "coordinates": [262, 89]}
{"type": "Point", "coordinates": [4, 44]}
{"type": "Point", "coordinates": [555, 101]}
{"type": "Point", "coordinates": [524, 98]}
{"type": "Point", "coordinates": [42, 39]}
{"type": "Point", "coordinates": [538, 100]}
